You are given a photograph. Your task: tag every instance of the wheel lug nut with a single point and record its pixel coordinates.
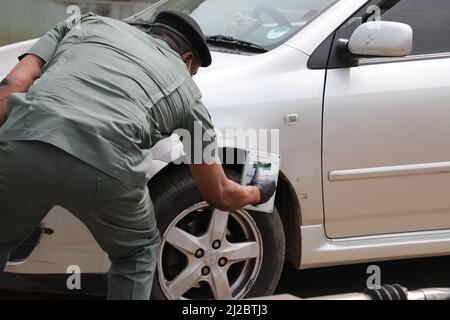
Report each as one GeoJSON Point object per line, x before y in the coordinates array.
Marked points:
{"type": "Point", "coordinates": [205, 271]}
{"type": "Point", "coordinates": [216, 244]}
{"type": "Point", "coordinates": [199, 253]}
{"type": "Point", "coordinates": [223, 262]}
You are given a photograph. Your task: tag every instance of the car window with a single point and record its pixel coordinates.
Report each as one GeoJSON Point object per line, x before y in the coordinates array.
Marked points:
{"type": "Point", "coordinates": [267, 23]}
{"type": "Point", "coordinates": [430, 20]}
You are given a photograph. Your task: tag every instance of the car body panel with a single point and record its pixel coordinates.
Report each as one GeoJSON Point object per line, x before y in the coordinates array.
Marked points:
{"type": "Point", "coordinates": [378, 117]}
{"type": "Point", "coordinates": [320, 251]}
{"type": "Point", "coordinates": [71, 244]}
{"type": "Point", "coordinates": [277, 84]}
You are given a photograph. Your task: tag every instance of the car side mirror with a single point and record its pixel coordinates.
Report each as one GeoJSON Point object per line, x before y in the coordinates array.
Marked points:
{"type": "Point", "coordinates": [381, 39]}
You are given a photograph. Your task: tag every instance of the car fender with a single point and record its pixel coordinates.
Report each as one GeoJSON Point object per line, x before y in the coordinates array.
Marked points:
{"type": "Point", "coordinates": [170, 150]}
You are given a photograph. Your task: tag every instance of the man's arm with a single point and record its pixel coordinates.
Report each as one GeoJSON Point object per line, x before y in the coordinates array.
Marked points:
{"type": "Point", "coordinates": [219, 191]}
{"type": "Point", "coordinates": [30, 66]}
{"type": "Point", "coordinates": [19, 79]}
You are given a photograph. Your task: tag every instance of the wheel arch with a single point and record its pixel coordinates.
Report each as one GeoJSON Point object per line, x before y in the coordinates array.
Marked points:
{"type": "Point", "coordinates": [286, 201]}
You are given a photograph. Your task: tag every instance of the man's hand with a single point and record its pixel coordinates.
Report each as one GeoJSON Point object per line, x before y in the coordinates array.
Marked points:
{"type": "Point", "coordinates": [266, 185]}
{"type": "Point", "coordinates": [219, 191]}
{"type": "Point", "coordinates": [19, 79]}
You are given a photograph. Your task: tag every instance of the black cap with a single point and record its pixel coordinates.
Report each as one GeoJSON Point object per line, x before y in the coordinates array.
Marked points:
{"type": "Point", "coordinates": [187, 29]}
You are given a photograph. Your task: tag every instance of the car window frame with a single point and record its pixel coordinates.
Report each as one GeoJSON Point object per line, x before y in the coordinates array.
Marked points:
{"type": "Point", "coordinates": [317, 60]}
{"type": "Point", "coordinates": [320, 58]}
{"type": "Point", "coordinates": [411, 57]}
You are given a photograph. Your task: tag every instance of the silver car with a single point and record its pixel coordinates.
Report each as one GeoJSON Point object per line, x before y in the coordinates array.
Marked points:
{"type": "Point", "coordinates": [359, 92]}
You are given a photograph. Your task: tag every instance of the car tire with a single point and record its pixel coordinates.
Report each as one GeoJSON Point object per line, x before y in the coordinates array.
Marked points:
{"type": "Point", "coordinates": [176, 191]}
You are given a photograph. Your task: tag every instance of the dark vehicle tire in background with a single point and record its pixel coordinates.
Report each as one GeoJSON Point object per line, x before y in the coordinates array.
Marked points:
{"type": "Point", "coordinates": [207, 254]}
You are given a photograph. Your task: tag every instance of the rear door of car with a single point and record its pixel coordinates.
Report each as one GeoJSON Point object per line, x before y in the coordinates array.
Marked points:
{"type": "Point", "coordinates": [386, 130]}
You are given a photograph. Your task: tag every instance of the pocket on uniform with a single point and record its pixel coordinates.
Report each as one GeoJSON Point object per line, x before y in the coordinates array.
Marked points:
{"type": "Point", "coordinates": [119, 204]}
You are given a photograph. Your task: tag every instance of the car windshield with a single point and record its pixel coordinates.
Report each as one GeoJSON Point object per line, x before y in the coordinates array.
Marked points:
{"type": "Point", "coordinates": [264, 23]}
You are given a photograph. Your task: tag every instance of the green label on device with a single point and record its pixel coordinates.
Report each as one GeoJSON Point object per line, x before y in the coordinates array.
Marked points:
{"type": "Point", "coordinates": [262, 165]}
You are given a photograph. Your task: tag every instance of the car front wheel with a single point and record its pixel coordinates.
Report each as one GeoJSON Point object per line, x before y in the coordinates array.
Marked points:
{"type": "Point", "coordinates": [211, 254]}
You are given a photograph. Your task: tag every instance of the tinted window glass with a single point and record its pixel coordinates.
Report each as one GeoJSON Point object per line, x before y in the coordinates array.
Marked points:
{"type": "Point", "coordinates": [430, 20]}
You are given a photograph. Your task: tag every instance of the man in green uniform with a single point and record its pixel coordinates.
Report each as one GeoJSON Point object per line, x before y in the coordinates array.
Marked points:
{"type": "Point", "coordinates": [78, 117]}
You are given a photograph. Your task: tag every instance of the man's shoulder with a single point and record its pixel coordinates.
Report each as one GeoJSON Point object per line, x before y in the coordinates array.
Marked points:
{"type": "Point", "coordinates": [92, 18]}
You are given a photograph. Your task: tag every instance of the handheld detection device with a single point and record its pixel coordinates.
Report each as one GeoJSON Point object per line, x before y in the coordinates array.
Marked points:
{"type": "Point", "coordinates": [269, 163]}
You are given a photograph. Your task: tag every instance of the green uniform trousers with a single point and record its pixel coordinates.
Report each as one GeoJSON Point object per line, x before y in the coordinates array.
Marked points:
{"type": "Point", "coordinates": [35, 177]}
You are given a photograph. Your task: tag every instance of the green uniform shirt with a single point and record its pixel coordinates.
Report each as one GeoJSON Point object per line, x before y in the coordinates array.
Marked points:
{"type": "Point", "coordinates": [107, 94]}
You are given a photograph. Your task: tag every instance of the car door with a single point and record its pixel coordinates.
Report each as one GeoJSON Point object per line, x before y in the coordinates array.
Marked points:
{"type": "Point", "coordinates": [386, 130]}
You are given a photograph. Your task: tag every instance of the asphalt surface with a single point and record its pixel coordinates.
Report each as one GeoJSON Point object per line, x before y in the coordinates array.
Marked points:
{"type": "Point", "coordinates": [412, 274]}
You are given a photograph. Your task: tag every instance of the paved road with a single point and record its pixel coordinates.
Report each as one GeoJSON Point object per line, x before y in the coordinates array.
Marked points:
{"type": "Point", "coordinates": [413, 274]}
